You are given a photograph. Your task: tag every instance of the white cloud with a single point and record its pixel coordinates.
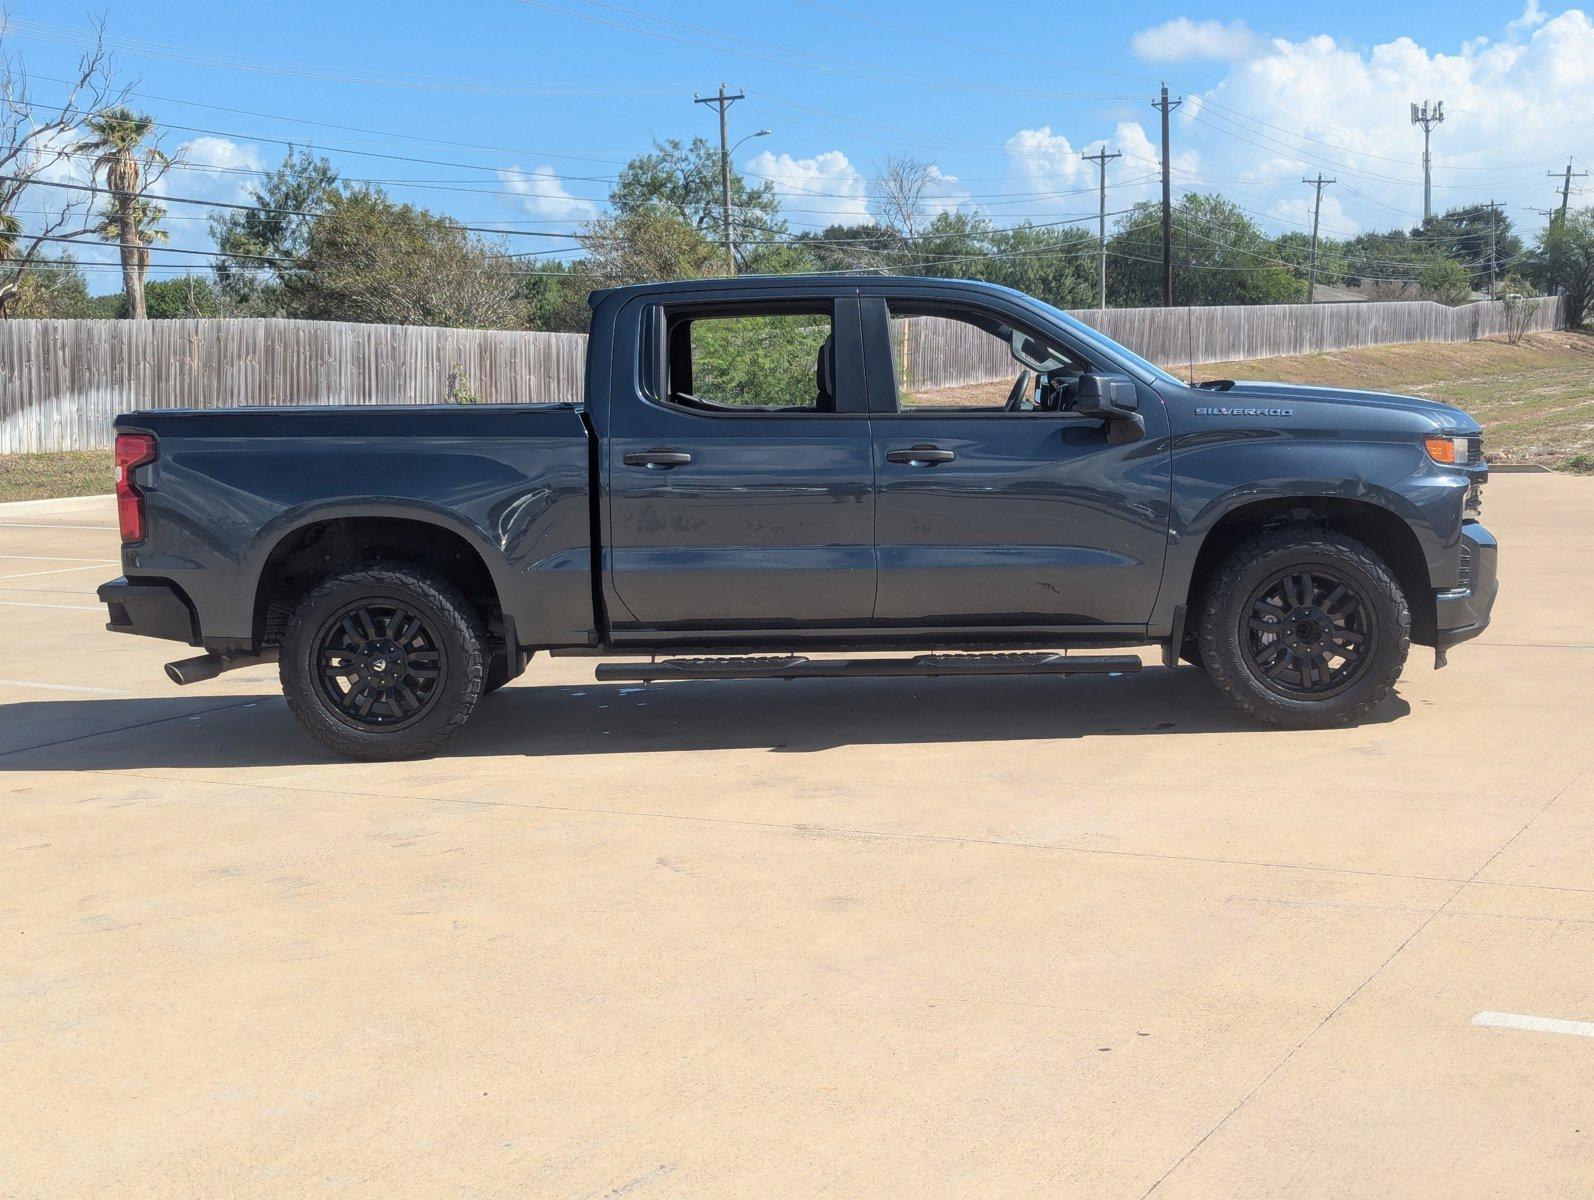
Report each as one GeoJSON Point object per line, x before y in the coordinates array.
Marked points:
{"type": "Point", "coordinates": [1043, 160]}
{"type": "Point", "coordinates": [1514, 106]}
{"type": "Point", "coordinates": [542, 194]}
{"type": "Point", "coordinates": [1532, 17]}
{"type": "Point", "coordinates": [945, 193]}
{"type": "Point", "coordinates": [823, 190]}
{"type": "Point", "coordinates": [1182, 40]}
{"type": "Point", "coordinates": [211, 168]}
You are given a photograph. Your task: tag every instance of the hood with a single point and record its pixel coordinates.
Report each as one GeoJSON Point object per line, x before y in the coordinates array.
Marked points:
{"type": "Point", "coordinates": [1444, 416]}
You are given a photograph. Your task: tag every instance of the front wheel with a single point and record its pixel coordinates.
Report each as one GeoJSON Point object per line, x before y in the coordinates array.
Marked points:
{"type": "Point", "coordinates": [1304, 628]}
{"type": "Point", "coordinates": [383, 661]}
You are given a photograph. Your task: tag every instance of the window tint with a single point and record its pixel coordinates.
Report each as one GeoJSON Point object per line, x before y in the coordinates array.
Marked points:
{"type": "Point", "coordinates": [951, 359]}
{"type": "Point", "coordinates": [759, 361]}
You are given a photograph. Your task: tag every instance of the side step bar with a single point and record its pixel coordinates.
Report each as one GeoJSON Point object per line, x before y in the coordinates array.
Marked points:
{"type": "Point", "coordinates": [798, 666]}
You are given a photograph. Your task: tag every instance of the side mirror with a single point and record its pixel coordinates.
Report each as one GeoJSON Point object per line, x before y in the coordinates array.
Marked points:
{"type": "Point", "coordinates": [1103, 395]}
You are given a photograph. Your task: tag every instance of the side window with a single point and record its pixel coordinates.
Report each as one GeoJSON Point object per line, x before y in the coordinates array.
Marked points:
{"type": "Point", "coordinates": [762, 361]}
{"type": "Point", "coordinates": [971, 360]}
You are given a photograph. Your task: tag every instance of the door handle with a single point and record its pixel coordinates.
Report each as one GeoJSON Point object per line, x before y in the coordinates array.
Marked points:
{"type": "Point", "coordinates": [921, 456]}
{"type": "Point", "coordinates": [661, 458]}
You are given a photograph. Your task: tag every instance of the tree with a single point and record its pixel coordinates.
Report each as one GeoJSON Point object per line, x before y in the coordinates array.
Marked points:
{"type": "Point", "coordinates": [262, 244]}
{"type": "Point", "coordinates": [51, 287]}
{"type": "Point", "coordinates": [1564, 262]}
{"type": "Point", "coordinates": [183, 296]}
{"type": "Point", "coordinates": [1220, 257]}
{"type": "Point", "coordinates": [646, 244]}
{"type": "Point", "coordinates": [1483, 243]}
{"type": "Point", "coordinates": [901, 193]}
{"type": "Point", "coordinates": [861, 247]}
{"type": "Point", "coordinates": [684, 179]}
{"type": "Point", "coordinates": [370, 259]}
{"type": "Point", "coordinates": [1446, 281]}
{"type": "Point", "coordinates": [130, 164]}
{"type": "Point", "coordinates": [36, 140]}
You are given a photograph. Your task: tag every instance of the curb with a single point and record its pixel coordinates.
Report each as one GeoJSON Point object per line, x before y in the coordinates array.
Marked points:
{"type": "Point", "coordinates": [58, 502]}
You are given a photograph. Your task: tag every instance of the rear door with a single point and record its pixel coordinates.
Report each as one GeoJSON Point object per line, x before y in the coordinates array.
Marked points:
{"type": "Point", "coordinates": [741, 494]}
{"type": "Point", "coordinates": [997, 507]}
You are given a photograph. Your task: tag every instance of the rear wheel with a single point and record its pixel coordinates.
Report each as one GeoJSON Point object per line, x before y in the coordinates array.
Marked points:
{"type": "Point", "coordinates": [1304, 628]}
{"type": "Point", "coordinates": [383, 661]}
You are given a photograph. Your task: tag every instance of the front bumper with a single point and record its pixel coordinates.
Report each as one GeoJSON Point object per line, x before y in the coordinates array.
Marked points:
{"type": "Point", "coordinates": [149, 609]}
{"type": "Point", "coordinates": [1462, 612]}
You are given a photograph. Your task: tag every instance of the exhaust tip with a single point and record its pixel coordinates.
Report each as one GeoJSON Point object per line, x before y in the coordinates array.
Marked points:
{"type": "Point", "coordinates": [194, 670]}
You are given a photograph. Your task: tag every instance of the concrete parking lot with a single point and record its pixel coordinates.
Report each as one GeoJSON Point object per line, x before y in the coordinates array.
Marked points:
{"type": "Point", "coordinates": [1017, 937]}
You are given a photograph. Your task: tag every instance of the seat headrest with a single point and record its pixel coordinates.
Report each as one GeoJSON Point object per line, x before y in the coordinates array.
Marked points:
{"type": "Point", "coordinates": [826, 371]}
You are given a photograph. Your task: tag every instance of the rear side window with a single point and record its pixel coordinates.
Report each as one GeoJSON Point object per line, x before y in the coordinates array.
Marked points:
{"type": "Point", "coordinates": [752, 361]}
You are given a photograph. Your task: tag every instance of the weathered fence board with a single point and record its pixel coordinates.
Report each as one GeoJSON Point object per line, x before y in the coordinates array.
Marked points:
{"type": "Point", "coordinates": [61, 382]}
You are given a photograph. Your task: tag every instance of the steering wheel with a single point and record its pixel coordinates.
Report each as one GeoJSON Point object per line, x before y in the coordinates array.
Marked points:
{"type": "Point", "coordinates": [1020, 392]}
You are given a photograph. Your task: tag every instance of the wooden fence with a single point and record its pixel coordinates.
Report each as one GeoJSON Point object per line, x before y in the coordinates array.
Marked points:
{"type": "Point", "coordinates": [61, 382]}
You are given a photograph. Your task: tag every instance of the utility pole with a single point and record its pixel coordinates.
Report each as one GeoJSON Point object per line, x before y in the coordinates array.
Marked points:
{"type": "Point", "coordinates": [1166, 106]}
{"type": "Point", "coordinates": [1494, 207]}
{"type": "Point", "coordinates": [1317, 211]}
{"type": "Point", "coordinates": [1427, 117]}
{"type": "Point", "coordinates": [1566, 178]}
{"type": "Point", "coordinates": [1100, 158]}
{"type": "Point", "coordinates": [723, 101]}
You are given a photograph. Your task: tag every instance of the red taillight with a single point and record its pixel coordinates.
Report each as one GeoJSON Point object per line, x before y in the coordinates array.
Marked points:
{"type": "Point", "coordinates": [132, 450]}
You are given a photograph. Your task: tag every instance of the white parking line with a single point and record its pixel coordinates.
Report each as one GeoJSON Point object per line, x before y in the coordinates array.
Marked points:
{"type": "Point", "coordinates": [93, 566]}
{"type": "Point", "coordinates": [60, 687]}
{"type": "Point", "coordinates": [53, 525]}
{"type": "Point", "coordinates": [93, 608]}
{"type": "Point", "coordinates": [1500, 1020]}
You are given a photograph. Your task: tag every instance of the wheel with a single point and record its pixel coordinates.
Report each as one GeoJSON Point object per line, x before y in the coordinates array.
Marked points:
{"type": "Point", "coordinates": [1304, 628]}
{"type": "Point", "coordinates": [383, 661]}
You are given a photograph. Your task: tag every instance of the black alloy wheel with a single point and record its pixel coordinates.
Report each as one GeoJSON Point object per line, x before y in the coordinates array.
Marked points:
{"type": "Point", "coordinates": [1309, 633]}
{"type": "Point", "coordinates": [380, 666]}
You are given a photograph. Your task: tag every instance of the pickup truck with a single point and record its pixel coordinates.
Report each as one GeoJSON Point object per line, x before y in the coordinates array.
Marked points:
{"type": "Point", "coordinates": [764, 481]}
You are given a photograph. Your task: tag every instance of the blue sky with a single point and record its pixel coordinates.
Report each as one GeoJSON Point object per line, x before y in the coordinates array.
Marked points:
{"type": "Point", "coordinates": [526, 108]}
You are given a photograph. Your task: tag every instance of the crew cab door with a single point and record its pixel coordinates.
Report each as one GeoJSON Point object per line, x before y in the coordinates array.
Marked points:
{"type": "Point", "coordinates": [999, 507]}
{"type": "Point", "coordinates": [740, 491]}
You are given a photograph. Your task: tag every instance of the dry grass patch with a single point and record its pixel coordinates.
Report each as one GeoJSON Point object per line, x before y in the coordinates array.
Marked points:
{"type": "Point", "coordinates": [52, 476]}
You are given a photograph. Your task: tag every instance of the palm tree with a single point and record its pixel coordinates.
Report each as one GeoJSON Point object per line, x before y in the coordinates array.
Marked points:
{"type": "Point", "coordinates": [136, 228]}
{"type": "Point", "coordinates": [117, 140]}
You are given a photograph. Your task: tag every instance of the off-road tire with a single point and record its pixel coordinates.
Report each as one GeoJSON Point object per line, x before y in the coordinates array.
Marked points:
{"type": "Point", "coordinates": [1225, 610]}
{"type": "Point", "coordinates": [452, 624]}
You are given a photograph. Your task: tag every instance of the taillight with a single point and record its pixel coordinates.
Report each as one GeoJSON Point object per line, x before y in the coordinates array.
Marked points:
{"type": "Point", "coordinates": [132, 450]}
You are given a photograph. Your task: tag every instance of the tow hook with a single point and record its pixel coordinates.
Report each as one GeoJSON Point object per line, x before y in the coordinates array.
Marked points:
{"type": "Point", "coordinates": [207, 666]}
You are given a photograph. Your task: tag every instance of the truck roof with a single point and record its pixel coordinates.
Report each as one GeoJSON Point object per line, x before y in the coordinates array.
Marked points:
{"type": "Point", "coordinates": [755, 283]}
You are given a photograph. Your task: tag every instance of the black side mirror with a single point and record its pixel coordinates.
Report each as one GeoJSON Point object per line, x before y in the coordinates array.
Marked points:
{"type": "Point", "coordinates": [1103, 395]}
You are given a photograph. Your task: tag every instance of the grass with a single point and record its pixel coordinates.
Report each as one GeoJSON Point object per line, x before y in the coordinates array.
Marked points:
{"type": "Point", "coordinates": [1535, 400]}
{"type": "Point", "coordinates": [50, 476]}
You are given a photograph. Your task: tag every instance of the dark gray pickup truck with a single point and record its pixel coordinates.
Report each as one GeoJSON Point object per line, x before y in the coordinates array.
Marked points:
{"type": "Point", "coordinates": [765, 477]}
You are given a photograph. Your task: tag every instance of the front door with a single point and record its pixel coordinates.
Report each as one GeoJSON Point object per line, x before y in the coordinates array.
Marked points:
{"type": "Point", "coordinates": [997, 507]}
{"type": "Point", "coordinates": [741, 497]}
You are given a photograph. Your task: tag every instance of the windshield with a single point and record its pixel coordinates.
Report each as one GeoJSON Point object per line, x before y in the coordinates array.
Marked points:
{"type": "Point", "coordinates": [1101, 339]}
